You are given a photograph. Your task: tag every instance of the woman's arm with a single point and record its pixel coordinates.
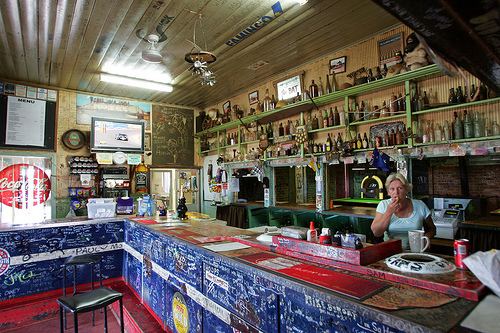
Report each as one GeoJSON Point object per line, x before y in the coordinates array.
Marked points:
{"type": "Point", "coordinates": [381, 221]}
{"type": "Point", "coordinates": [429, 227]}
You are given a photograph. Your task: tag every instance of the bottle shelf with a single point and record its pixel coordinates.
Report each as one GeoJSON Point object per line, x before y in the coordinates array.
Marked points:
{"type": "Point", "coordinates": [484, 138]}
{"type": "Point", "coordinates": [326, 129]}
{"type": "Point", "coordinates": [302, 106]}
{"type": "Point", "coordinates": [377, 120]}
{"type": "Point", "coordinates": [455, 106]}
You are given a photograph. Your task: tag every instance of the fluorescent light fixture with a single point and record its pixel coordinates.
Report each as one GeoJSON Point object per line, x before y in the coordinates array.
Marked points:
{"type": "Point", "coordinates": [301, 2]}
{"type": "Point", "coordinates": [128, 81]}
{"type": "Point", "coordinates": [150, 72]}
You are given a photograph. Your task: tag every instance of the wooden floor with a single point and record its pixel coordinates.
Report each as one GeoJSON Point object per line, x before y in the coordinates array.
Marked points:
{"type": "Point", "coordinates": [42, 316]}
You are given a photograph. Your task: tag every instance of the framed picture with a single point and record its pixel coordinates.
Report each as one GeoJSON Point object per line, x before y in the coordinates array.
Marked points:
{"type": "Point", "coordinates": [338, 65]}
{"type": "Point", "coordinates": [253, 97]}
{"type": "Point", "coordinates": [147, 141]}
{"type": "Point", "coordinates": [390, 50]}
{"type": "Point", "coordinates": [290, 87]}
{"type": "Point", "coordinates": [226, 107]}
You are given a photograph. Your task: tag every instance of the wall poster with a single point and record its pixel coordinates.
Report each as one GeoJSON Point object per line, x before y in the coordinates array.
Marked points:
{"type": "Point", "coordinates": [88, 106]}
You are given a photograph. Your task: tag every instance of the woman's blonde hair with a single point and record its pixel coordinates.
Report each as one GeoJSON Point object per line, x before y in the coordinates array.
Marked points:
{"type": "Point", "coordinates": [397, 176]}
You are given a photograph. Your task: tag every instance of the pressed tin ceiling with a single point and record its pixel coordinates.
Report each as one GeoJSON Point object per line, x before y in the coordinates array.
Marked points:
{"type": "Point", "coordinates": [66, 43]}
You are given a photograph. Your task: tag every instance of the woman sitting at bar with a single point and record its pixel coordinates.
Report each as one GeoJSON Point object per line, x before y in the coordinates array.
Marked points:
{"type": "Point", "coordinates": [399, 214]}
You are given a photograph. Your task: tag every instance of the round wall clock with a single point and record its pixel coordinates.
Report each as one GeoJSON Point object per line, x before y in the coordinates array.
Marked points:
{"type": "Point", "coordinates": [74, 139]}
{"type": "Point", "coordinates": [119, 157]}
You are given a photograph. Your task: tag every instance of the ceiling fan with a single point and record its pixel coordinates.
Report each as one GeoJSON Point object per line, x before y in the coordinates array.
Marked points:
{"type": "Point", "coordinates": [152, 54]}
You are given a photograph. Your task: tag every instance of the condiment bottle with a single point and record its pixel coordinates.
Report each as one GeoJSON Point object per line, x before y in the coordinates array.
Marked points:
{"type": "Point", "coordinates": [312, 235]}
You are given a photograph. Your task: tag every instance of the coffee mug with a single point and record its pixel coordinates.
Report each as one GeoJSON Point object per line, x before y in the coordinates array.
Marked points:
{"type": "Point", "coordinates": [418, 242]}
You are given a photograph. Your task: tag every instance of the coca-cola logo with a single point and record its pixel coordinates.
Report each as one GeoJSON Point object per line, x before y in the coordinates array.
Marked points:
{"type": "Point", "coordinates": [23, 186]}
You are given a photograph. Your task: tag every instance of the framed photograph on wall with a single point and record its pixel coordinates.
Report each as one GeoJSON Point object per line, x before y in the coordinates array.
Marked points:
{"type": "Point", "coordinates": [226, 107]}
{"type": "Point", "coordinates": [338, 65]}
{"type": "Point", "coordinates": [253, 97]}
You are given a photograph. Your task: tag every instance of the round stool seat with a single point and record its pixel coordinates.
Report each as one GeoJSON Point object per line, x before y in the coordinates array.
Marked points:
{"type": "Point", "coordinates": [91, 300]}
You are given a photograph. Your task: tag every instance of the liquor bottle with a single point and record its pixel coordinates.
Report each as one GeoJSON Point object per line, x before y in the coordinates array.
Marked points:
{"type": "Point", "coordinates": [336, 117]}
{"type": "Point", "coordinates": [452, 98]}
{"type": "Point", "coordinates": [430, 131]}
{"type": "Point", "coordinates": [313, 89]}
{"type": "Point", "coordinates": [425, 132]}
{"type": "Point", "coordinates": [386, 139]}
{"type": "Point", "coordinates": [357, 115]}
{"type": "Point", "coordinates": [468, 126]}
{"type": "Point", "coordinates": [359, 141]}
{"type": "Point", "coordinates": [421, 101]}
{"type": "Point", "coordinates": [339, 140]}
{"type": "Point", "coordinates": [426, 100]}
{"type": "Point", "coordinates": [378, 74]}
{"type": "Point", "coordinates": [342, 116]}
{"type": "Point", "coordinates": [365, 141]}
{"type": "Point", "coordinates": [472, 92]}
{"type": "Point", "coordinates": [273, 102]}
{"type": "Point", "coordinates": [479, 128]}
{"type": "Point", "coordinates": [320, 87]}
{"type": "Point", "coordinates": [399, 137]}
{"type": "Point", "coordinates": [460, 95]}
{"type": "Point", "coordinates": [330, 118]}
{"type": "Point", "coordinates": [393, 106]}
{"type": "Point", "coordinates": [320, 119]}
{"type": "Point", "coordinates": [281, 130]}
{"type": "Point", "coordinates": [140, 180]}
{"type": "Point", "coordinates": [438, 133]}
{"type": "Point", "coordinates": [401, 103]}
{"type": "Point", "coordinates": [370, 77]}
{"type": "Point", "coordinates": [362, 111]}
{"type": "Point", "coordinates": [328, 85]}
{"type": "Point", "coordinates": [495, 128]}
{"type": "Point", "coordinates": [269, 130]}
{"type": "Point", "coordinates": [328, 143]}
{"type": "Point", "coordinates": [325, 120]}
{"type": "Point", "coordinates": [414, 101]}
{"type": "Point", "coordinates": [334, 83]}
{"type": "Point", "coordinates": [315, 124]}
{"type": "Point", "coordinates": [385, 70]}
{"type": "Point", "coordinates": [392, 138]}
{"type": "Point", "coordinates": [383, 110]}
{"type": "Point", "coordinates": [458, 129]}
{"type": "Point", "coordinates": [446, 131]}
{"type": "Point", "coordinates": [266, 102]}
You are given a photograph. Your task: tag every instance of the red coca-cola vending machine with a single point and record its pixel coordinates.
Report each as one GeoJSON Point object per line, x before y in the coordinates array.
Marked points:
{"type": "Point", "coordinates": [25, 190]}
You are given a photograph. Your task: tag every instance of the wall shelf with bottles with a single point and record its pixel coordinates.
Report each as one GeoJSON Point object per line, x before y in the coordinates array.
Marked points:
{"type": "Point", "coordinates": [455, 106]}
{"type": "Point", "coordinates": [484, 138]}
{"type": "Point", "coordinates": [303, 106]}
{"type": "Point", "coordinates": [376, 120]}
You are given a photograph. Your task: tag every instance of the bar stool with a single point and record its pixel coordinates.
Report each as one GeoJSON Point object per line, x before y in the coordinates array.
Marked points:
{"type": "Point", "coordinates": [89, 301]}
{"type": "Point", "coordinates": [74, 262]}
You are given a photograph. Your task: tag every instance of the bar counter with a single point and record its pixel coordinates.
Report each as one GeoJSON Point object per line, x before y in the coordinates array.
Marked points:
{"type": "Point", "coordinates": [168, 267]}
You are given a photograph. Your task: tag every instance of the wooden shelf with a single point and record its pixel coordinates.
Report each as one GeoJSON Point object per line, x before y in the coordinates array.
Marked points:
{"type": "Point", "coordinates": [484, 138]}
{"type": "Point", "coordinates": [455, 106]}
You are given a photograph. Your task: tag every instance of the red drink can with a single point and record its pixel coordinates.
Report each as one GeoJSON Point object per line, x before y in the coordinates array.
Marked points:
{"type": "Point", "coordinates": [461, 249]}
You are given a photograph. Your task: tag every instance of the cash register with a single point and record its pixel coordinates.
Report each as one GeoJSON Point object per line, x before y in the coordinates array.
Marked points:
{"type": "Point", "coordinates": [446, 215]}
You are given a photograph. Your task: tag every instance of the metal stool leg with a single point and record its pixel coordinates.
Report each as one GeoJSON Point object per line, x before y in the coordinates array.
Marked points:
{"type": "Point", "coordinates": [92, 287]}
{"type": "Point", "coordinates": [122, 326]}
{"type": "Point", "coordinates": [64, 294]}
{"type": "Point", "coordinates": [75, 320]}
{"type": "Point", "coordinates": [105, 320]}
{"type": "Point", "coordinates": [61, 319]}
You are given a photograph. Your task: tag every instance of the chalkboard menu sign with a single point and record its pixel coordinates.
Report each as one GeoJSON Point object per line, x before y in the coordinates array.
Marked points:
{"type": "Point", "coordinates": [172, 133]}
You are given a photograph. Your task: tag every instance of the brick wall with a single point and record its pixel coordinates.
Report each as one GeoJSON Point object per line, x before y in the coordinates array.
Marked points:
{"type": "Point", "coordinates": [483, 177]}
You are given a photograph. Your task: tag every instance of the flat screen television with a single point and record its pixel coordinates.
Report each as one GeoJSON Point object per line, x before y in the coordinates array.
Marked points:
{"type": "Point", "coordinates": [116, 135]}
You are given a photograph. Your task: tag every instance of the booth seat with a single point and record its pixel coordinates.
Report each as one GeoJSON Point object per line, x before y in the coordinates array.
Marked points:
{"type": "Point", "coordinates": [303, 218]}
{"type": "Point", "coordinates": [257, 216]}
{"type": "Point", "coordinates": [279, 217]}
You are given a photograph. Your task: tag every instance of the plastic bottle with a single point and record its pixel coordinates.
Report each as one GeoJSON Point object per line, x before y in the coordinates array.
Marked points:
{"type": "Point", "coordinates": [312, 235]}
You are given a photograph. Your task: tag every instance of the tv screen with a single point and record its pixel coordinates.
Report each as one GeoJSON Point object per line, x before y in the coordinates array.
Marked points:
{"type": "Point", "coordinates": [116, 135]}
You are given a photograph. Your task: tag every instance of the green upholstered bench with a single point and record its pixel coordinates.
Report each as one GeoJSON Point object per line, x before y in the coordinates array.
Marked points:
{"type": "Point", "coordinates": [337, 223]}
{"type": "Point", "coordinates": [303, 218]}
{"type": "Point", "coordinates": [257, 216]}
{"type": "Point", "coordinates": [279, 217]}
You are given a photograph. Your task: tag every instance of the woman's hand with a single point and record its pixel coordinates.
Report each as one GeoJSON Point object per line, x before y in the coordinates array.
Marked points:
{"type": "Point", "coordinates": [394, 206]}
